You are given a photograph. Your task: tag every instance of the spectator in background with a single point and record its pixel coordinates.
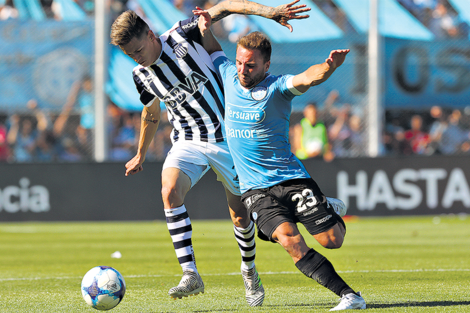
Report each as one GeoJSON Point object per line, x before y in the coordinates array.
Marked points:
{"type": "Point", "coordinates": [452, 137]}
{"type": "Point", "coordinates": [394, 139]}
{"type": "Point", "coordinates": [8, 11]}
{"type": "Point", "coordinates": [125, 142]}
{"type": "Point", "coordinates": [22, 137]}
{"type": "Point", "coordinates": [311, 136]}
{"type": "Point", "coordinates": [417, 138]}
{"type": "Point", "coordinates": [345, 135]}
{"type": "Point", "coordinates": [445, 23]}
{"type": "Point", "coordinates": [4, 149]}
{"type": "Point", "coordinates": [340, 134]}
{"type": "Point", "coordinates": [437, 128]}
{"type": "Point", "coordinates": [82, 94]}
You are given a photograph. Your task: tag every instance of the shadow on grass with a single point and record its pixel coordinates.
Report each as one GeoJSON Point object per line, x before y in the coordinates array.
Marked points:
{"type": "Point", "coordinates": [330, 305]}
{"type": "Point", "coordinates": [416, 304]}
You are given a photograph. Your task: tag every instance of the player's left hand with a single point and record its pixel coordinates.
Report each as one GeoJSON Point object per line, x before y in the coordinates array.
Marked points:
{"type": "Point", "coordinates": [337, 57]}
{"type": "Point", "coordinates": [284, 13]}
{"type": "Point", "coordinates": [205, 20]}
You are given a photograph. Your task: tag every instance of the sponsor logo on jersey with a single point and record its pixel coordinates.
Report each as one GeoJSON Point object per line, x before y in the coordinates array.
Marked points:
{"type": "Point", "coordinates": [323, 220]}
{"type": "Point", "coordinates": [190, 25]}
{"type": "Point", "coordinates": [180, 51]}
{"type": "Point", "coordinates": [244, 115]}
{"type": "Point", "coordinates": [180, 92]}
{"type": "Point", "coordinates": [259, 93]}
{"type": "Point", "coordinates": [240, 133]}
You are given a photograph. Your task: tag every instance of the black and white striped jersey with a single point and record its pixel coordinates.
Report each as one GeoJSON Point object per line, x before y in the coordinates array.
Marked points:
{"type": "Point", "coordinates": [184, 78]}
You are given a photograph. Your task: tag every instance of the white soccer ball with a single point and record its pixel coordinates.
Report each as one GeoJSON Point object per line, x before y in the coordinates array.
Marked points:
{"type": "Point", "coordinates": [103, 287]}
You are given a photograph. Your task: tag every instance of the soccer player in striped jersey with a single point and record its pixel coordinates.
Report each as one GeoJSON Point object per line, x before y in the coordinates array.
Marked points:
{"type": "Point", "coordinates": [276, 188]}
{"type": "Point", "coordinates": [175, 69]}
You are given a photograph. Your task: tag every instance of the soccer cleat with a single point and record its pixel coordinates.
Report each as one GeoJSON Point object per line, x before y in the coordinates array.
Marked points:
{"type": "Point", "coordinates": [190, 284]}
{"type": "Point", "coordinates": [338, 206]}
{"type": "Point", "coordinates": [254, 288]}
{"type": "Point", "coordinates": [351, 301]}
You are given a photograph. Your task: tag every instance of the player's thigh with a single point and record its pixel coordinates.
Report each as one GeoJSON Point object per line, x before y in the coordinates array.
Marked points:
{"type": "Point", "coordinates": [175, 181]}
{"type": "Point", "coordinates": [222, 164]}
{"type": "Point", "coordinates": [266, 212]}
{"type": "Point", "coordinates": [312, 210]}
{"type": "Point", "coordinates": [189, 158]}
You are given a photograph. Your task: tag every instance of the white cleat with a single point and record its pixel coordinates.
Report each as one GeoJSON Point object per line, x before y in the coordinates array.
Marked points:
{"type": "Point", "coordinates": [190, 284]}
{"type": "Point", "coordinates": [338, 206]}
{"type": "Point", "coordinates": [254, 288]}
{"type": "Point", "coordinates": [351, 301]}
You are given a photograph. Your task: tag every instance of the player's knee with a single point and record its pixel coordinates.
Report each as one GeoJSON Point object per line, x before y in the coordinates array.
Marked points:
{"type": "Point", "coordinates": [331, 242]}
{"type": "Point", "coordinates": [287, 240]}
{"type": "Point", "coordinates": [171, 196]}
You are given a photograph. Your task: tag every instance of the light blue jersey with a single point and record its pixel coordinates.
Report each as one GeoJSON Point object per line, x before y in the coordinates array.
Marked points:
{"type": "Point", "coordinates": [257, 127]}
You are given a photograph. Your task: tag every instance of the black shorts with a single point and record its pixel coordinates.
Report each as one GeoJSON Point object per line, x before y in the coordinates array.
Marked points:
{"type": "Point", "coordinates": [294, 201]}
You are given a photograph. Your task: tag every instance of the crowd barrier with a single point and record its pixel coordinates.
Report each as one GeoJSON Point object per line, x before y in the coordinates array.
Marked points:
{"type": "Point", "coordinates": [101, 192]}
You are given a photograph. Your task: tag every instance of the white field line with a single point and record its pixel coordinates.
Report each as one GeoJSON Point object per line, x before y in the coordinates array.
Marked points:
{"type": "Point", "coordinates": [238, 273]}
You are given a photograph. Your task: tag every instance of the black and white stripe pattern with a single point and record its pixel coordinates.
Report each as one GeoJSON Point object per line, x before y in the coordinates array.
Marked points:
{"type": "Point", "coordinates": [185, 79]}
{"type": "Point", "coordinates": [180, 228]}
{"type": "Point", "coordinates": [246, 243]}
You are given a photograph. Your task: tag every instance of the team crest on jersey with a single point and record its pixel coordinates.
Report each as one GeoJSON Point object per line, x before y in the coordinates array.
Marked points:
{"type": "Point", "coordinates": [259, 93]}
{"type": "Point", "coordinates": [181, 51]}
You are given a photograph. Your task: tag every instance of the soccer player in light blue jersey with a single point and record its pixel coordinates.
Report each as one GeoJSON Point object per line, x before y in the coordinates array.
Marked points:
{"type": "Point", "coordinates": [173, 68]}
{"type": "Point", "coordinates": [277, 190]}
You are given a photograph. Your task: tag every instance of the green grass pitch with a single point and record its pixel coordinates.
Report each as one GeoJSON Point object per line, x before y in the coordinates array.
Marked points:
{"type": "Point", "coordinates": [414, 264]}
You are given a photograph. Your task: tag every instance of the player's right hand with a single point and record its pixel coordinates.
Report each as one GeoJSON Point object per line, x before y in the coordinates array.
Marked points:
{"type": "Point", "coordinates": [134, 165]}
{"type": "Point", "coordinates": [205, 19]}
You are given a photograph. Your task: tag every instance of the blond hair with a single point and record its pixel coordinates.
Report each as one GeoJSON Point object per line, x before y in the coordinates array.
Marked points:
{"type": "Point", "coordinates": [127, 26]}
{"type": "Point", "coordinates": [257, 41]}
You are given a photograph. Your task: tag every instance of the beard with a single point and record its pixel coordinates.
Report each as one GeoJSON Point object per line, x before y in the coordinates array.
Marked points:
{"type": "Point", "coordinates": [249, 82]}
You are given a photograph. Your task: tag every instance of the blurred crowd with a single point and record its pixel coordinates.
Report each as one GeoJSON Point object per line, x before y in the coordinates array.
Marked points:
{"type": "Point", "coordinates": [335, 130]}
{"type": "Point", "coordinates": [326, 130]}
{"type": "Point", "coordinates": [439, 16]}
{"type": "Point", "coordinates": [68, 136]}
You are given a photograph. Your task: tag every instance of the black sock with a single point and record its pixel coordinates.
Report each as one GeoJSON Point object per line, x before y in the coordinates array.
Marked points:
{"type": "Point", "coordinates": [317, 267]}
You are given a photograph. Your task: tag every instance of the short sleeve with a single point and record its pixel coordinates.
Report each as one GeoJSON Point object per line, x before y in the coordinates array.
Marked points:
{"type": "Point", "coordinates": [190, 27]}
{"type": "Point", "coordinates": [224, 67]}
{"type": "Point", "coordinates": [145, 97]}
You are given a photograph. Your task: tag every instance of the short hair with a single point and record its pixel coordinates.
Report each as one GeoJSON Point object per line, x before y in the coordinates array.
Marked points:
{"type": "Point", "coordinates": [128, 25]}
{"type": "Point", "coordinates": [258, 41]}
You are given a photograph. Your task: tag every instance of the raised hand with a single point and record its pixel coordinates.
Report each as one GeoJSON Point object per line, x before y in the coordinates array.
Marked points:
{"type": "Point", "coordinates": [337, 57]}
{"type": "Point", "coordinates": [284, 13]}
{"type": "Point", "coordinates": [205, 20]}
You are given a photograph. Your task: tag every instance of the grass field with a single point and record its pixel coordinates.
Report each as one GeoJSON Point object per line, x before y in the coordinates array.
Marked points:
{"type": "Point", "coordinates": [415, 264]}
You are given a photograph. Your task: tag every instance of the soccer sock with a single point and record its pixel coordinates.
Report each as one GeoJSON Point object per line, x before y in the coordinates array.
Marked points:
{"type": "Point", "coordinates": [180, 228]}
{"type": "Point", "coordinates": [246, 242]}
{"type": "Point", "coordinates": [317, 267]}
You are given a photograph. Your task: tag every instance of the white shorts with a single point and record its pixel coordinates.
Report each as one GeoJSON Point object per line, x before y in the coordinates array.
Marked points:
{"type": "Point", "coordinates": [195, 159]}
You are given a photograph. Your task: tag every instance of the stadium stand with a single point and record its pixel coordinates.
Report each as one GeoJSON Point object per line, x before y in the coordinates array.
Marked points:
{"type": "Point", "coordinates": [395, 20]}
{"type": "Point", "coordinates": [30, 9]}
{"type": "Point", "coordinates": [70, 11]}
{"type": "Point", "coordinates": [317, 27]}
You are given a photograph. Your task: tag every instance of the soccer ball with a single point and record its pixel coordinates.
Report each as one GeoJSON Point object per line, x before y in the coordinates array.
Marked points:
{"type": "Point", "coordinates": [103, 287]}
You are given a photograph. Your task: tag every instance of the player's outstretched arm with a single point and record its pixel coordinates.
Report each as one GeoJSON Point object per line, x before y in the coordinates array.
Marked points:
{"type": "Point", "coordinates": [209, 42]}
{"type": "Point", "coordinates": [281, 14]}
{"type": "Point", "coordinates": [148, 128]}
{"type": "Point", "coordinates": [318, 73]}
